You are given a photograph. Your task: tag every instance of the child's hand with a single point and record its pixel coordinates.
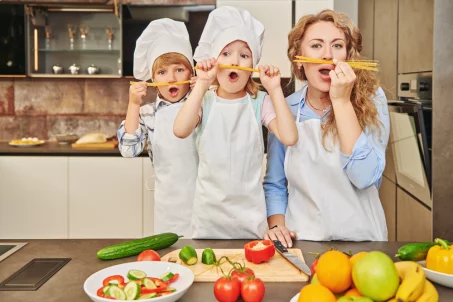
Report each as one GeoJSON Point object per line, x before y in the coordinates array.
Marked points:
{"type": "Point", "coordinates": [270, 77]}
{"type": "Point", "coordinates": [207, 71]}
{"type": "Point", "coordinates": [193, 81]}
{"type": "Point", "coordinates": [136, 92]}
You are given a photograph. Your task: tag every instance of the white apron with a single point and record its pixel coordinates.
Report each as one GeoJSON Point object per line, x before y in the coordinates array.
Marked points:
{"type": "Point", "coordinates": [229, 199]}
{"type": "Point", "coordinates": [323, 204]}
{"type": "Point", "coordinates": [175, 168]}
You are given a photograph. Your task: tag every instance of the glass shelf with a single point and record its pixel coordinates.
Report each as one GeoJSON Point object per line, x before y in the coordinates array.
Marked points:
{"type": "Point", "coordinates": [92, 50]}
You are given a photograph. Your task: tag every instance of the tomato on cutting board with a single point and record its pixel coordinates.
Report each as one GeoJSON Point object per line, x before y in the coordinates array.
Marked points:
{"type": "Point", "coordinates": [253, 290]}
{"type": "Point", "coordinates": [227, 289]}
{"type": "Point", "coordinates": [148, 255]}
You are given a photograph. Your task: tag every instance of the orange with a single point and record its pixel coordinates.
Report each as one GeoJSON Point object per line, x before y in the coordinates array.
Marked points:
{"type": "Point", "coordinates": [353, 292]}
{"type": "Point", "coordinates": [334, 271]}
{"type": "Point", "coordinates": [316, 293]}
{"type": "Point", "coordinates": [357, 257]}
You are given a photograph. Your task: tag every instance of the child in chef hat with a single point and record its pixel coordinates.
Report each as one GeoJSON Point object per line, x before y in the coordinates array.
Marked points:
{"type": "Point", "coordinates": [163, 54]}
{"type": "Point", "coordinates": [229, 199]}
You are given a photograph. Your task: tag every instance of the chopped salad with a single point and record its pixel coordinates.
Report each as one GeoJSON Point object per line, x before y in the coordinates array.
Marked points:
{"type": "Point", "coordinates": [139, 287]}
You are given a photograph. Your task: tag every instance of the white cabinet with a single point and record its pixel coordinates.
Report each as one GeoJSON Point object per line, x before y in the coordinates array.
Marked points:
{"type": "Point", "coordinates": [276, 18]}
{"type": "Point", "coordinates": [148, 197]}
{"type": "Point", "coordinates": [33, 197]}
{"type": "Point", "coordinates": [105, 197]}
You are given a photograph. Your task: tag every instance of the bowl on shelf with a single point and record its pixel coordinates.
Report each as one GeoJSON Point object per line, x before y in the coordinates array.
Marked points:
{"type": "Point", "coordinates": [66, 138]}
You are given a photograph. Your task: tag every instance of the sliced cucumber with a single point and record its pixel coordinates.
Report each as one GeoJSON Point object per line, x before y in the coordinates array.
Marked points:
{"type": "Point", "coordinates": [170, 289]}
{"type": "Point", "coordinates": [132, 291]}
{"type": "Point", "coordinates": [188, 255]}
{"type": "Point", "coordinates": [116, 292]}
{"type": "Point", "coordinates": [208, 256]}
{"type": "Point", "coordinates": [135, 274]}
{"type": "Point", "coordinates": [106, 288]}
{"type": "Point", "coordinates": [167, 276]}
{"type": "Point", "coordinates": [147, 296]}
{"type": "Point", "coordinates": [148, 283]}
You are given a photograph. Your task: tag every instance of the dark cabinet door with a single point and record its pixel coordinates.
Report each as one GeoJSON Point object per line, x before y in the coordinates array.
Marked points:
{"type": "Point", "coordinates": [12, 39]}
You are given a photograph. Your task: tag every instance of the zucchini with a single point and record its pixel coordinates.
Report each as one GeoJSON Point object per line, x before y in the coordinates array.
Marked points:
{"type": "Point", "coordinates": [147, 296]}
{"type": "Point", "coordinates": [148, 283]}
{"type": "Point", "coordinates": [135, 274]}
{"type": "Point", "coordinates": [414, 251]}
{"type": "Point", "coordinates": [208, 256]}
{"type": "Point", "coordinates": [117, 293]}
{"type": "Point", "coordinates": [135, 247]}
{"type": "Point", "coordinates": [188, 255]}
{"type": "Point", "coordinates": [167, 276]}
{"type": "Point", "coordinates": [131, 290]}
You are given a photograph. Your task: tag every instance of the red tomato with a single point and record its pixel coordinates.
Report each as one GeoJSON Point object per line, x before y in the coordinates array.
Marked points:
{"type": "Point", "coordinates": [242, 274]}
{"type": "Point", "coordinates": [253, 290]}
{"type": "Point", "coordinates": [227, 289]}
{"type": "Point", "coordinates": [100, 292]}
{"type": "Point", "coordinates": [148, 255]}
{"type": "Point", "coordinates": [313, 267]}
{"type": "Point", "coordinates": [116, 279]}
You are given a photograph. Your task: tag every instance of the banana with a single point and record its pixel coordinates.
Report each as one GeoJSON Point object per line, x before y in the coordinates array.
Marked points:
{"type": "Point", "coordinates": [412, 281]}
{"type": "Point", "coordinates": [429, 293]}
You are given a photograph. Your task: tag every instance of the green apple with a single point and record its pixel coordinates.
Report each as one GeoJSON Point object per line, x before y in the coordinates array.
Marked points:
{"type": "Point", "coordinates": [354, 299]}
{"type": "Point", "coordinates": [375, 276]}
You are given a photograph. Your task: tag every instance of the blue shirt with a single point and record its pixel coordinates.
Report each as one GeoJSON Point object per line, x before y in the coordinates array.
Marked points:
{"type": "Point", "coordinates": [364, 167]}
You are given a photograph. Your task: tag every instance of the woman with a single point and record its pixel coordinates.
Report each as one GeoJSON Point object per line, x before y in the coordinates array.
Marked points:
{"type": "Point", "coordinates": [335, 169]}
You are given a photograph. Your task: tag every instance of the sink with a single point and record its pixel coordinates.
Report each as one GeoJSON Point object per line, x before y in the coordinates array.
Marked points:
{"type": "Point", "coordinates": [9, 248]}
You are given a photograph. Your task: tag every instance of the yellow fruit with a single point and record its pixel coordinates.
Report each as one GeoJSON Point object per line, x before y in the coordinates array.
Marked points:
{"type": "Point", "coordinates": [353, 292]}
{"type": "Point", "coordinates": [316, 293]}
{"type": "Point", "coordinates": [357, 257]}
{"type": "Point", "coordinates": [429, 293]}
{"type": "Point", "coordinates": [334, 271]}
{"type": "Point", "coordinates": [412, 280]}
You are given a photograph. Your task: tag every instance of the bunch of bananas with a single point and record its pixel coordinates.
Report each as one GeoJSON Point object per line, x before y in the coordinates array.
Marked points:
{"type": "Point", "coordinates": [414, 286]}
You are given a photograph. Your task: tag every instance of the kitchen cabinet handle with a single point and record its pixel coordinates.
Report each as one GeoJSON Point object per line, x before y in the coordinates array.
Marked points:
{"type": "Point", "coordinates": [36, 49]}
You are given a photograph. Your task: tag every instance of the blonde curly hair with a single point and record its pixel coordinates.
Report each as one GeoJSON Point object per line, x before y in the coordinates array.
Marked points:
{"type": "Point", "coordinates": [366, 82]}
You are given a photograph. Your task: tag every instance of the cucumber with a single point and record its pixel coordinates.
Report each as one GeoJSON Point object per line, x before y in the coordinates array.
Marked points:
{"type": "Point", "coordinates": [208, 256]}
{"type": "Point", "coordinates": [147, 296]}
{"type": "Point", "coordinates": [167, 276]}
{"type": "Point", "coordinates": [132, 291]}
{"type": "Point", "coordinates": [116, 292]}
{"type": "Point", "coordinates": [135, 274]}
{"type": "Point", "coordinates": [135, 247]}
{"type": "Point", "coordinates": [188, 255]}
{"type": "Point", "coordinates": [414, 251]}
{"type": "Point", "coordinates": [148, 283]}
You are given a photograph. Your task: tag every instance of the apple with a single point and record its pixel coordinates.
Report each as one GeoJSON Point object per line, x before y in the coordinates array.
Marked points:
{"type": "Point", "coordinates": [354, 299]}
{"type": "Point", "coordinates": [375, 276]}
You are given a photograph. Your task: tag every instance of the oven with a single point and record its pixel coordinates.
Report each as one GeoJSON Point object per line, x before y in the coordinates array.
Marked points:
{"type": "Point", "coordinates": [411, 135]}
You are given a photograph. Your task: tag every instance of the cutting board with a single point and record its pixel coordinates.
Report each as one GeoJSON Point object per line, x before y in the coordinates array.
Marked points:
{"type": "Point", "coordinates": [96, 146]}
{"type": "Point", "coordinates": [277, 269]}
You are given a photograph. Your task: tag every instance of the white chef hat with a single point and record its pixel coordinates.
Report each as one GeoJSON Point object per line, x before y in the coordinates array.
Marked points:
{"type": "Point", "coordinates": [160, 37]}
{"type": "Point", "coordinates": [225, 25]}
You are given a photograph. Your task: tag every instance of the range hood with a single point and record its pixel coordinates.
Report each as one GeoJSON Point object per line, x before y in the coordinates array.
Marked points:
{"type": "Point", "coordinates": [153, 12]}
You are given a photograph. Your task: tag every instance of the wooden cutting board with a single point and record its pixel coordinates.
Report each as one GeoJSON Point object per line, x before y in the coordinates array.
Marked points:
{"type": "Point", "coordinates": [96, 146]}
{"type": "Point", "coordinates": [277, 269]}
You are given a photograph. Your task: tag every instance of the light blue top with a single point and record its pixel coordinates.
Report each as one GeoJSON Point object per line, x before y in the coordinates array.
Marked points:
{"type": "Point", "coordinates": [364, 167]}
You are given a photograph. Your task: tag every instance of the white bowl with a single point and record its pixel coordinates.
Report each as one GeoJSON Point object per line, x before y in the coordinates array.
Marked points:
{"type": "Point", "coordinates": [152, 269]}
{"type": "Point", "coordinates": [439, 278]}
{"type": "Point", "coordinates": [295, 298]}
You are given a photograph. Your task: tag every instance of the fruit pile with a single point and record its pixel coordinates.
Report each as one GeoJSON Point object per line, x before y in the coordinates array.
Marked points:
{"type": "Point", "coordinates": [366, 277]}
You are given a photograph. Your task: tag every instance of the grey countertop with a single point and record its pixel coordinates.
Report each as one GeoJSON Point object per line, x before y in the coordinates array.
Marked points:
{"type": "Point", "coordinates": [55, 149]}
{"type": "Point", "coordinates": [67, 284]}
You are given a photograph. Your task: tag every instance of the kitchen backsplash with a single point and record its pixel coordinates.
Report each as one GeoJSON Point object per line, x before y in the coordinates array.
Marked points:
{"type": "Point", "coordinates": [45, 107]}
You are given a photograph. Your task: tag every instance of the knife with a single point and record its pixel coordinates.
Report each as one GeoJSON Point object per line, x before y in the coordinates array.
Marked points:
{"type": "Point", "coordinates": [293, 259]}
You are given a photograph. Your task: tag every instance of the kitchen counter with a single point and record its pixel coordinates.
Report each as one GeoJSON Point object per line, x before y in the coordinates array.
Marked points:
{"type": "Point", "coordinates": [67, 284]}
{"type": "Point", "coordinates": [56, 149]}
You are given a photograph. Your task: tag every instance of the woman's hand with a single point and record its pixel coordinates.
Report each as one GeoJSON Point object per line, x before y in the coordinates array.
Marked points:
{"type": "Point", "coordinates": [282, 234]}
{"type": "Point", "coordinates": [193, 81]}
{"type": "Point", "coordinates": [207, 71]}
{"type": "Point", "coordinates": [342, 82]}
{"type": "Point", "coordinates": [270, 77]}
{"type": "Point", "coordinates": [136, 92]}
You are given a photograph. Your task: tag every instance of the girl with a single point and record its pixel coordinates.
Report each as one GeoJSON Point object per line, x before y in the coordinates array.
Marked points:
{"type": "Point", "coordinates": [334, 172]}
{"type": "Point", "coordinates": [229, 198]}
{"type": "Point", "coordinates": [163, 53]}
